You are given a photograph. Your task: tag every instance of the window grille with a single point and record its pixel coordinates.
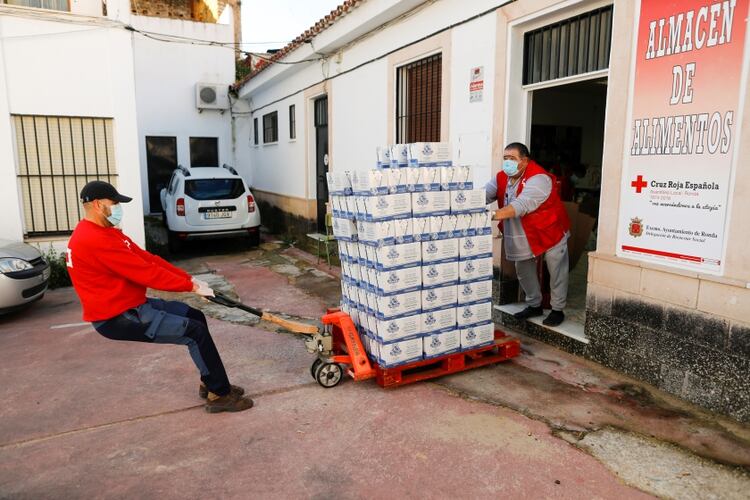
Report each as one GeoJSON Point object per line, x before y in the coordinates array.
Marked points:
{"type": "Point", "coordinates": [418, 104]}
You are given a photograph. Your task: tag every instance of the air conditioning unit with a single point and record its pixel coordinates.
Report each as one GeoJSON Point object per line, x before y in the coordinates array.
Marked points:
{"type": "Point", "coordinates": [211, 96]}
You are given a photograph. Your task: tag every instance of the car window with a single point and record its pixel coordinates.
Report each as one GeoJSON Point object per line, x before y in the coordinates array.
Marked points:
{"type": "Point", "coordinates": [214, 189]}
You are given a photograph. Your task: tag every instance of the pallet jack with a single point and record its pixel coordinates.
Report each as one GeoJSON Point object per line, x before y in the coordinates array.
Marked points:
{"type": "Point", "coordinates": [338, 345]}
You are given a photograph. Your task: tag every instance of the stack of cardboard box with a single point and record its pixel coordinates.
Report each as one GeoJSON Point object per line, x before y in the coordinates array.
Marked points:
{"type": "Point", "coordinates": [415, 244]}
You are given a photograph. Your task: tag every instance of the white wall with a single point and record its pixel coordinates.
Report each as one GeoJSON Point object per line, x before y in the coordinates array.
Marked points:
{"type": "Point", "coordinates": [166, 74]}
{"type": "Point", "coordinates": [51, 68]}
{"type": "Point", "coordinates": [360, 99]}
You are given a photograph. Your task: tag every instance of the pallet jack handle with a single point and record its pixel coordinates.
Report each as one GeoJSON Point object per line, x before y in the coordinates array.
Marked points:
{"type": "Point", "coordinates": [292, 326]}
{"type": "Point", "coordinates": [221, 299]}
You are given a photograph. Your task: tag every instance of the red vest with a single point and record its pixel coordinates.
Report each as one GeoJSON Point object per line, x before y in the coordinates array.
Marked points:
{"type": "Point", "coordinates": [546, 225]}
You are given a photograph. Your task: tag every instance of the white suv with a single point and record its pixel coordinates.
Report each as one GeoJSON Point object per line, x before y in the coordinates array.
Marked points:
{"type": "Point", "coordinates": [206, 203]}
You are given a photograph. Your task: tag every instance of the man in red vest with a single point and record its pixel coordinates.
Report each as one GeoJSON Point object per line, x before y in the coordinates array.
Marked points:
{"type": "Point", "coordinates": [534, 222]}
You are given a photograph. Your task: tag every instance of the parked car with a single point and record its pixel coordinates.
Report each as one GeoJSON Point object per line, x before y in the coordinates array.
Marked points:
{"type": "Point", "coordinates": [23, 275]}
{"type": "Point", "coordinates": [206, 203]}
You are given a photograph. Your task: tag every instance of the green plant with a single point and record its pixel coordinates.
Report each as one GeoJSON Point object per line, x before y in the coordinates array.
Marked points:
{"type": "Point", "coordinates": [59, 276]}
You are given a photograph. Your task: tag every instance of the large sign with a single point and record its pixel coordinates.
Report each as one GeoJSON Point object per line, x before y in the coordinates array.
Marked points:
{"type": "Point", "coordinates": [681, 142]}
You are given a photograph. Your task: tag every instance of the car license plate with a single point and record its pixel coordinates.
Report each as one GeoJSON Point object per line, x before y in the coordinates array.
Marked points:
{"type": "Point", "coordinates": [218, 214]}
{"type": "Point", "coordinates": [46, 273]}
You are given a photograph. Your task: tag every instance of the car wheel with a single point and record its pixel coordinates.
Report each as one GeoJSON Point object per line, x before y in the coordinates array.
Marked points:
{"type": "Point", "coordinates": [173, 242]}
{"type": "Point", "coordinates": [254, 239]}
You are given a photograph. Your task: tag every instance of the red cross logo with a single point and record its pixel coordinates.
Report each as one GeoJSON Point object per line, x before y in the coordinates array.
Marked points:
{"type": "Point", "coordinates": [639, 184]}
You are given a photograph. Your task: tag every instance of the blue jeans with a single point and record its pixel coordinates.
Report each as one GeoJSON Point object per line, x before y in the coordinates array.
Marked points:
{"type": "Point", "coordinates": [171, 322]}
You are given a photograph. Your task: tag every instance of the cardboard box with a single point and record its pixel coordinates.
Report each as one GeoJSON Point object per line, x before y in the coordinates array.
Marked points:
{"type": "Point", "coordinates": [399, 155]}
{"type": "Point", "coordinates": [472, 247]}
{"type": "Point", "coordinates": [339, 182]}
{"type": "Point", "coordinates": [370, 182]}
{"type": "Point", "coordinates": [405, 327]}
{"type": "Point", "coordinates": [475, 269]}
{"type": "Point", "coordinates": [399, 353]}
{"type": "Point", "coordinates": [472, 293]}
{"type": "Point", "coordinates": [344, 251]}
{"type": "Point", "coordinates": [414, 181]}
{"type": "Point", "coordinates": [463, 226]}
{"type": "Point", "coordinates": [436, 154]}
{"type": "Point", "coordinates": [344, 229]}
{"type": "Point", "coordinates": [421, 228]}
{"type": "Point", "coordinates": [390, 206]}
{"type": "Point", "coordinates": [396, 281]}
{"type": "Point", "coordinates": [481, 223]}
{"type": "Point", "coordinates": [477, 336]}
{"type": "Point", "coordinates": [431, 203]}
{"type": "Point", "coordinates": [398, 256]}
{"type": "Point", "coordinates": [375, 233]}
{"type": "Point", "coordinates": [441, 320]}
{"type": "Point", "coordinates": [439, 298]}
{"type": "Point", "coordinates": [397, 180]}
{"type": "Point", "coordinates": [434, 252]}
{"type": "Point", "coordinates": [436, 275]}
{"type": "Point", "coordinates": [468, 201]}
{"type": "Point", "coordinates": [442, 226]}
{"type": "Point", "coordinates": [383, 154]}
{"type": "Point", "coordinates": [393, 306]}
{"type": "Point", "coordinates": [456, 177]}
{"type": "Point", "coordinates": [474, 314]}
{"type": "Point", "coordinates": [440, 344]}
{"type": "Point", "coordinates": [351, 206]}
{"type": "Point", "coordinates": [403, 231]}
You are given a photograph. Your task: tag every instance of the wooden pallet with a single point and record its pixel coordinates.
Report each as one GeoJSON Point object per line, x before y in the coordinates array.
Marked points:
{"type": "Point", "coordinates": [503, 349]}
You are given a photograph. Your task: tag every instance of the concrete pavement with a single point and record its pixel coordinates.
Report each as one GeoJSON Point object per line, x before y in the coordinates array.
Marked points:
{"type": "Point", "coordinates": [85, 417]}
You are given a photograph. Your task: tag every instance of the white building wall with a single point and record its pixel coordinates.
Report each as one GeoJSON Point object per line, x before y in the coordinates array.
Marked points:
{"type": "Point", "coordinates": [52, 68]}
{"type": "Point", "coordinates": [360, 114]}
{"type": "Point", "coordinates": [361, 101]}
{"type": "Point", "coordinates": [280, 167]}
{"type": "Point", "coordinates": [166, 74]}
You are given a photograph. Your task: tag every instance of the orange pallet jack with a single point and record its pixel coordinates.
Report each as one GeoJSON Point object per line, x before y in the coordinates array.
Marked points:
{"type": "Point", "coordinates": [339, 344]}
{"type": "Point", "coordinates": [338, 347]}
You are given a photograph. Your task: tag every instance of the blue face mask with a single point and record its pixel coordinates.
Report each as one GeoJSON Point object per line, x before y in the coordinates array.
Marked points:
{"type": "Point", "coordinates": [115, 216]}
{"type": "Point", "coordinates": [510, 167]}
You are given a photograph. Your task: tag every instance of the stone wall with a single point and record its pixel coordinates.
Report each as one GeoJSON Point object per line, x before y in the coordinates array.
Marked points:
{"type": "Point", "coordinates": [685, 335]}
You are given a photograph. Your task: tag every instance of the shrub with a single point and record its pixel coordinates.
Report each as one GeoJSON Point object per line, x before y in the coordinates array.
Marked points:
{"type": "Point", "coordinates": [59, 276]}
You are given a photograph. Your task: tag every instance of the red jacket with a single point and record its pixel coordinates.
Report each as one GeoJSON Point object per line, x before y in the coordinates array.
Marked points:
{"type": "Point", "coordinates": [545, 226]}
{"type": "Point", "coordinates": [110, 272]}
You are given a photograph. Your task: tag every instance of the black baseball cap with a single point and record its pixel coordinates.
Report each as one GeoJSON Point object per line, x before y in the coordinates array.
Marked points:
{"type": "Point", "coordinates": [100, 190]}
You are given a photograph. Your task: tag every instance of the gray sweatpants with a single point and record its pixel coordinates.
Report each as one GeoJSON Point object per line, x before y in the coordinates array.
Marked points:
{"type": "Point", "coordinates": [557, 264]}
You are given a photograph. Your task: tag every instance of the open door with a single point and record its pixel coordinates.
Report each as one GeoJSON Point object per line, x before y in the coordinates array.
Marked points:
{"type": "Point", "coordinates": [321, 159]}
{"type": "Point", "coordinates": [161, 160]}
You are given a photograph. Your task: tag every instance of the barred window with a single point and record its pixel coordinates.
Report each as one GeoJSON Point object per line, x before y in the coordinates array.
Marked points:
{"type": "Point", "coordinates": [56, 156]}
{"type": "Point", "coordinates": [570, 47]}
{"type": "Point", "coordinates": [292, 122]}
{"type": "Point", "coordinates": [271, 127]}
{"type": "Point", "coordinates": [62, 5]}
{"type": "Point", "coordinates": [418, 92]}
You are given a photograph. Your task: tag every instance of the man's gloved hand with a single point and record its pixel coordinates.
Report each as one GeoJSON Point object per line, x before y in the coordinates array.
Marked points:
{"type": "Point", "coordinates": [201, 288]}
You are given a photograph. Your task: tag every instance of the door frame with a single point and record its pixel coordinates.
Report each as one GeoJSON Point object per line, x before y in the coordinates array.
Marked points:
{"type": "Point", "coordinates": [326, 167]}
{"type": "Point", "coordinates": [148, 184]}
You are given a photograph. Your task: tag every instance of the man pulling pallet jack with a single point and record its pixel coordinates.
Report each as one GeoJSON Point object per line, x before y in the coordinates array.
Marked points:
{"type": "Point", "coordinates": [110, 274]}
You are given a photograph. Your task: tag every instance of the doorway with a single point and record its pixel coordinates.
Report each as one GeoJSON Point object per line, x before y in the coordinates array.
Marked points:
{"type": "Point", "coordinates": [567, 139]}
{"type": "Point", "coordinates": [161, 160]}
{"type": "Point", "coordinates": [321, 159]}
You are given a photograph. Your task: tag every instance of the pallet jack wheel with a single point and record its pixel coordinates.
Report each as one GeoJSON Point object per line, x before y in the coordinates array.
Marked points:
{"type": "Point", "coordinates": [329, 374]}
{"type": "Point", "coordinates": [314, 367]}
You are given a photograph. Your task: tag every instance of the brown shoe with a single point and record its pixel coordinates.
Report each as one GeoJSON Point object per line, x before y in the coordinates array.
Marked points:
{"type": "Point", "coordinates": [230, 402]}
{"type": "Point", "coordinates": [235, 389]}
